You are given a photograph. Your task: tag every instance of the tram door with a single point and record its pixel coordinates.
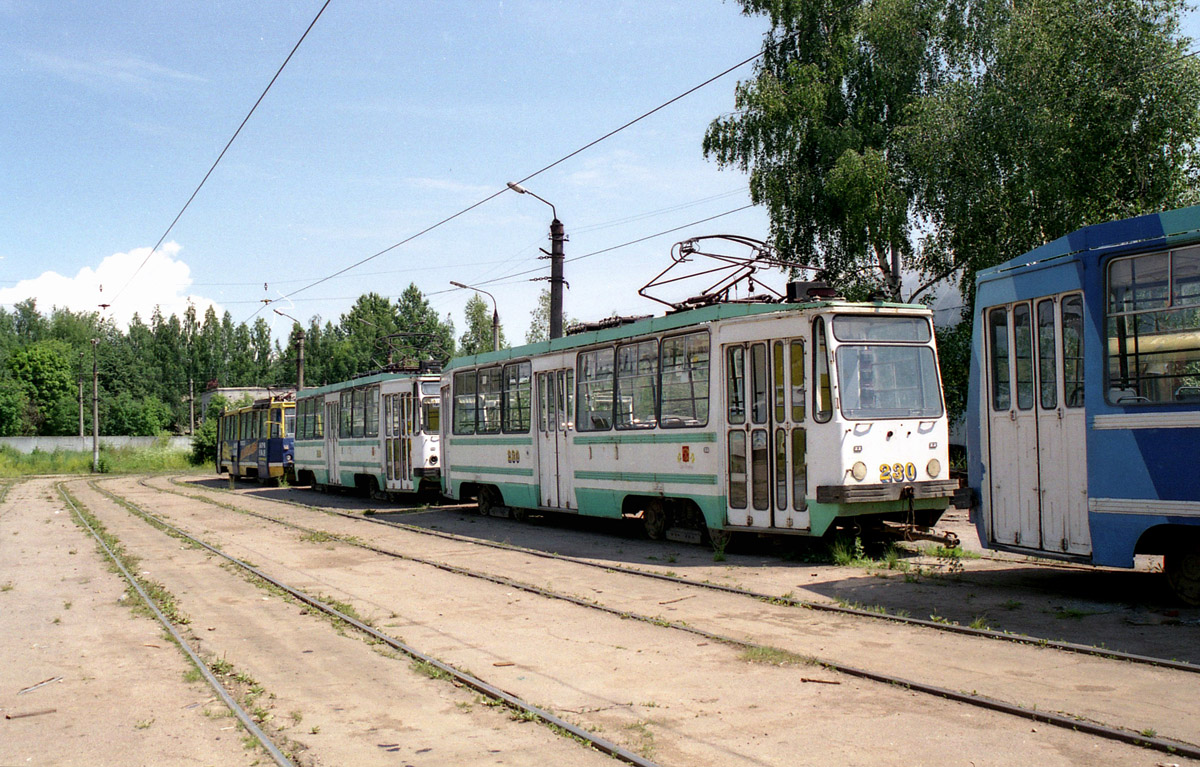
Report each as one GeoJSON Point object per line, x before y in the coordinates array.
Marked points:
{"type": "Point", "coordinates": [554, 421]}
{"type": "Point", "coordinates": [765, 435]}
{"type": "Point", "coordinates": [399, 422]}
{"type": "Point", "coordinates": [1037, 480]}
{"type": "Point", "coordinates": [333, 425]}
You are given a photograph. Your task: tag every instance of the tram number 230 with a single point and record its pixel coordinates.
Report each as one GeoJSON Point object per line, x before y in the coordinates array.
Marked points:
{"type": "Point", "coordinates": [897, 472]}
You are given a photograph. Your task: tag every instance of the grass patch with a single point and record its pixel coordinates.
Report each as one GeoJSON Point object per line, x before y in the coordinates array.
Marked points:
{"type": "Point", "coordinates": [115, 460]}
{"type": "Point", "coordinates": [430, 670]}
{"type": "Point", "coordinates": [773, 656]}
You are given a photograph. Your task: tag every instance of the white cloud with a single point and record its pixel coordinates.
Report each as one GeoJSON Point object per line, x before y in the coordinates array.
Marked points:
{"type": "Point", "coordinates": [107, 69]}
{"type": "Point", "coordinates": [162, 282]}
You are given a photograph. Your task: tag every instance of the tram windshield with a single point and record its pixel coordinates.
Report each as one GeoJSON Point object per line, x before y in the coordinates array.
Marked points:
{"type": "Point", "coordinates": [888, 381]}
{"type": "Point", "coordinates": [431, 410]}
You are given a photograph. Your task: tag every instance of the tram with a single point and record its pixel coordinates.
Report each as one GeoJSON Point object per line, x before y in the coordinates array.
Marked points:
{"type": "Point", "coordinates": [1084, 400]}
{"type": "Point", "coordinates": [377, 434]}
{"type": "Point", "coordinates": [256, 441]}
{"type": "Point", "coordinates": [787, 414]}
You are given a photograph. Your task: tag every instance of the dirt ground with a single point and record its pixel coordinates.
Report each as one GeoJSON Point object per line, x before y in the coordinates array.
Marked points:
{"type": "Point", "coordinates": [121, 693]}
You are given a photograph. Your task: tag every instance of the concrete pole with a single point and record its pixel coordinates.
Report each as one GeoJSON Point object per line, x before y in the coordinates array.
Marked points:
{"type": "Point", "coordinates": [81, 407]}
{"type": "Point", "coordinates": [299, 359]}
{"type": "Point", "coordinates": [556, 278]}
{"type": "Point", "coordinates": [95, 409]}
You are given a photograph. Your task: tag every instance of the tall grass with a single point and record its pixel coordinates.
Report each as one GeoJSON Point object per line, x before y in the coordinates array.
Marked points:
{"type": "Point", "coordinates": [118, 460]}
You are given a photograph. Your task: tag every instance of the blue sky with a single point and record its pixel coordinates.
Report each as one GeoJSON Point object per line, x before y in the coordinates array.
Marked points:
{"type": "Point", "coordinates": [390, 117]}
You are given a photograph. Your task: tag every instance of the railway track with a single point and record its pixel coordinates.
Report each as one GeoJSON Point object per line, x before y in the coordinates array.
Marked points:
{"type": "Point", "coordinates": [1069, 721]}
{"type": "Point", "coordinates": [952, 628]}
{"type": "Point", "coordinates": [523, 709]}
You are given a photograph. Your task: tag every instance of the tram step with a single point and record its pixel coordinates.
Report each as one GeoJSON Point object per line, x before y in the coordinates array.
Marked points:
{"type": "Point", "coordinates": [683, 534]}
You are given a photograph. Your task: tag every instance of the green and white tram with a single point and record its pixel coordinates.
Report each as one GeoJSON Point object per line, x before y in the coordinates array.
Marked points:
{"type": "Point", "coordinates": [378, 434]}
{"type": "Point", "coordinates": [770, 417]}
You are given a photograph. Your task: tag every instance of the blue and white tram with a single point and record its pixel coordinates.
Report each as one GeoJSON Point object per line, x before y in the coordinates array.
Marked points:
{"type": "Point", "coordinates": [1084, 403]}
{"type": "Point", "coordinates": [768, 417]}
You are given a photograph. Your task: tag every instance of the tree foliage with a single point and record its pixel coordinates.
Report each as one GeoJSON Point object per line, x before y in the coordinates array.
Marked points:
{"type": "Point", "coordinates": [958, 133]}
{"type": "Point", "coordinates": [478, 337]}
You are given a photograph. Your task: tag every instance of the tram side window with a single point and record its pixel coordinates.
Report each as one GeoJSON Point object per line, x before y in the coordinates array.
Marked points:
{"type": "Point", "coordinates": [517, 391]}
{"type": "Point", "coordinates": [1023, 354]}
{"type": "Point", "coordinates": [685, 376]}
{"type": "Point", "coordinates": [1153, 348]}
{"type": "Point", "coordinates": [1047, 364]}
{"type": "Point", "coordinates": [637, 385]}
{"type": "Point", "coordinates": [822, 388]}
{"type": "Point", "coordinates": [371, 418]}
{"type": "Point", "coordinates": [595, 390]}
{"type": "Point", "coordinates": [797, 363]}
{"type": "Point", "coordinates": [431, 415]}
{"type": "Point", "coordinates": [1072, 339]}
{"type": "Point", "coordinates": [735, 365]}
{"type": "Point", "coordinates": [358, 419]}
{"type": "Point", "coordinates": [490, 388]}
{"type": "Point", "coordinates": [347, 410]}
{"type": "Point", "coordinates": [464, 402]}
{"type": "Point", "coordinates": [998, 335]}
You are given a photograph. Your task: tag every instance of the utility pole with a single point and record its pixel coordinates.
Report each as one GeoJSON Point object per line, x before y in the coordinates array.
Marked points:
{"type": "Point", "coordinates": [95, 409]}
{"type": "Point", "coordinates": [299, 359]}
{"type": "Point", "coordinates": [81, 407]}
{"type": "Point", "coordinates": [191, 407]}
{"type": "Point", "coordinates": [556, 277]}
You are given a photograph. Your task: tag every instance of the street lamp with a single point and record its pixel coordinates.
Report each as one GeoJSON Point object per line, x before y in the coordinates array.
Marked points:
{"type": "Point", "coordinates": [299, 350]}
{"type": "Point", "coordinates": [495, 312]}
{"type": "Point", "coordinates": [556, 262]}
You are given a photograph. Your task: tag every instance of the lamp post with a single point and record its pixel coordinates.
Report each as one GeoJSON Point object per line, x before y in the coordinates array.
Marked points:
{"type": "Point", "coordinates": [556, 262]}
{"type": "Point", "coordinates": [495, 312]}
{"type": "Point", "coordinates": [95, 409]}
{"type": "Point", "coordinates": [299, 350]}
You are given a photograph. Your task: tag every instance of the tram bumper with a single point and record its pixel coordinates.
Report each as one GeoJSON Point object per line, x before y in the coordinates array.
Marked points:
{"type": "Point", "coordinates": [936, 488]}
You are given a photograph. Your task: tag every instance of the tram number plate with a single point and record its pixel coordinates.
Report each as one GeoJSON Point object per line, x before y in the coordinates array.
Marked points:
{"type": "Point", "coordinates": [897, 472]}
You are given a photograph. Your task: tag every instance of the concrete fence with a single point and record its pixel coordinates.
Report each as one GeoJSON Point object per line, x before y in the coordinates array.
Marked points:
{"type": "Point", "coordinates": [84, 444]}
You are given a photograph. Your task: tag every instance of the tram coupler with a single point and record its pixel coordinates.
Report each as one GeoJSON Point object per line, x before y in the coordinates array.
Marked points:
{"type": "Point", "coordinates": [907, 532]}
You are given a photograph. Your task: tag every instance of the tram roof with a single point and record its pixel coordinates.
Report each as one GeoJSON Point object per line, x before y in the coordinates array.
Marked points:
{"type": "Point", "coordinates": [363, 381]}
{"type": "Point", "coordinates": [1154, 231]}
{"type": "Point", "coordinates": [673, 321]}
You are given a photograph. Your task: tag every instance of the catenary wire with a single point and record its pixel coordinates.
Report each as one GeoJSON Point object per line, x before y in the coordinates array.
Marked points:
{"type": "Point", "coordinates": [228, 144]}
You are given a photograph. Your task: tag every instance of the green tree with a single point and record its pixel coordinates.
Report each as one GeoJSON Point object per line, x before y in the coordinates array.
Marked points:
{"type": "Point", "coordinates": [1078, 112]}
{"type": "Point", "coordinates": [817, 130]}
{"type": "Point", "coordinates": [539, 319]}
{"type": "Point", "coordinates": [479, 337]}
{"type": "Point", "coordinates": [430, 338]}
{"type": "Point", "coordinates": [126, 414]}
{"type": "Point", "coordinates": [14, 405]}
{"type": "Point", "coordinates": [45, 372]}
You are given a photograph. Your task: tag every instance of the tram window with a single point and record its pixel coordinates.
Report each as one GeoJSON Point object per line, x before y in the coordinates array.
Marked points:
{"type": "Point", "coordinates": [595, 390]}
{"type": "Point", "coordinates": [517, 403]}
{"type": "Point", "coordinates": [735, 383]}
{"type": "Point", "coordinates": [737, 469]}
{"type": "Point", "coordinates": [289, 423]}
{"type": "Point", "coordinates": [490, 390]}
{"type": "Point", "coordinates": [637, 385]}
{"type": "Point", "coordinates": [849, 327]}
{"type": "Point", "coordinates": [685, 363]}
{"type": "Point", "coordinates": [358, 420]}
{"type": "Point", "coordinates": [998, 327]}
{"type": "Point", "coordinates": [1023, 354]}
{"type": "Point", "coordinates": [1072, 332]}
{"type": "Point", "coordinates": [431, 388]}
{"type": "Point", "coordinates": [544, 401]}
{"type": "Point", "coordinates": [1047, 362]}
{"type": "Point", "coordinates": [1153, 316]}
{"type": "Point", "coordinates": [888, 381]}
{"type": "Point", "coordinates": [569, 391]}
{"type": "Point", "coordinates": [431, 415]}
{"type": "Point", "coordinates": [780, 388]}
{"type": "Point", "coordinates": [798, 396]}
{"type": "Point", "coordinates": [464, 402]}
{"type": "Point", "coordinates": [758, 383]}
{"type": "Point", "coordinates": [371, 416]}
{"type": "Point", "coordinates": [799, 468]}
{"type": "Point", "coordinates": [781, 472]}
{"type": "Point", "coordinates": [346, 409]}
{"type": "Point", "coordinates": [822, 390]}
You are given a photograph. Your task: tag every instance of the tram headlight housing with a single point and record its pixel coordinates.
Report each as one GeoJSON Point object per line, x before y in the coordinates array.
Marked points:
{"type": "Point", "coordinates": [933, 468]}
{"type": "Point", "coordinates": [859, 471]}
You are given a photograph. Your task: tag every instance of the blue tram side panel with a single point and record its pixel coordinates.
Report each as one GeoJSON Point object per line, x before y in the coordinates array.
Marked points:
{"type": "Point", "coordinates": [1083, 410]}
{"type": "Point", "coordinates": [257, 441]}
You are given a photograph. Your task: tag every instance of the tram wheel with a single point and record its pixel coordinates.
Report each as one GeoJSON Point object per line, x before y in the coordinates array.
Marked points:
{"type": "Point", "coordinates": [486, 501]}
{"type": "Point", "coordinates": [1182, 568]}
{"type": "Point", "coordinates": [718, 538]}
{"type": "Point", "coordinates": [519, 514]}
{"type": "Point", "coordinates": [654, 520]}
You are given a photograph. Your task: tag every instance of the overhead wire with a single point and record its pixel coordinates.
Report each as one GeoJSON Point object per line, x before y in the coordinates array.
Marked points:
{"type": "Point", "coordinates": [522, 180]}
{"type": "Point", "coordinates": [216, 162]}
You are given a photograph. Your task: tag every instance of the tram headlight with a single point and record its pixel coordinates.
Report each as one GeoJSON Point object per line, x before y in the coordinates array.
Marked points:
{"type": "Point", "coordinates": [433, 460]}
{"type": "Point", "coordinates": [859, 471]}
{"type": "Point", "coordinates": [933, 468]}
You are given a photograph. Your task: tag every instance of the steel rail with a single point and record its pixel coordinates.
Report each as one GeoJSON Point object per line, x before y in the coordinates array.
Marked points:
{"type": "Point", "coordinates": [467, 680]}
{"type": "Point", "coordinates": [1064, 721]}
{"type": "Point", "coordinates": [953, 628]}
{"type": "Point", "coordinates": [241, 713]}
